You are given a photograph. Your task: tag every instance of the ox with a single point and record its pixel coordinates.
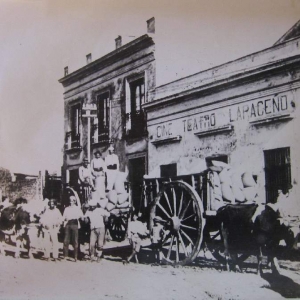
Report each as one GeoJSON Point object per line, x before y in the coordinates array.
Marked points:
{"type": "Point", "coordinates": [13, 222]}
{"type": "Point", "coordinates": [14, 226]}
{"type": "Point", "coordinates": [250, 229]}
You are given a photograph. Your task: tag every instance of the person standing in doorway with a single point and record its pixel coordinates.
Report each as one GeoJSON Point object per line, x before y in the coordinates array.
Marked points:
{"type": "Point", "coordinates": [112, 165]}
{"type": "Point", "coordinates": [71, 217]}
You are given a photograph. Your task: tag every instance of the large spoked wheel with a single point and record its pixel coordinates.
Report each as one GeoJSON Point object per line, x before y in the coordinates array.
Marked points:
{"type": "Point", "coordinates": [181, 210]}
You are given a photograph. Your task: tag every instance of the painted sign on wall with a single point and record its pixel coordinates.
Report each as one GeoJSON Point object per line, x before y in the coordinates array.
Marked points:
{"type": "Point", "coordinates": [248, 111]}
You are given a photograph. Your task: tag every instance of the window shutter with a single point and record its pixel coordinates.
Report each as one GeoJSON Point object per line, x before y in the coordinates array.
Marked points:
{"type": "Point", "coordinates": [128, 106]}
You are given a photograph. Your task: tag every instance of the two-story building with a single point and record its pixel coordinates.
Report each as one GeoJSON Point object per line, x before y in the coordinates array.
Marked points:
{"type": "Point", "coordinates": [103, 105]}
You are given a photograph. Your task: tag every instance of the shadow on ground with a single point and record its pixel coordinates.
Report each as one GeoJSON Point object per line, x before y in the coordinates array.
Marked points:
{"type": "Point", "coordinates": [283, 285]}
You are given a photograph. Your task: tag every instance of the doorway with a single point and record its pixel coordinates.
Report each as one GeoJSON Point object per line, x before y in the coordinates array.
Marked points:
{"type": "Point", "coordinates": [137, 169]}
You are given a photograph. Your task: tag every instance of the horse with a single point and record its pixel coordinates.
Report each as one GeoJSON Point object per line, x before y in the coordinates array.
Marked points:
{"type": "Point", "coordinates": [251, 229]}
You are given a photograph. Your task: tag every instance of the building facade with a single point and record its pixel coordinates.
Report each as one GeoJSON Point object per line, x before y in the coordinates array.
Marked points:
{"type": "Point", "coordinates": [104, 105]}
{"type": "Point", "coordinates": [244, 113]}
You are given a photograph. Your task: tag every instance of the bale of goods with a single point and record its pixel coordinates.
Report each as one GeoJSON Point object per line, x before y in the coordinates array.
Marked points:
{"type": "Point", "coordinates": [217, 163]}
{"type": "Point", "coordinates": [122, 198]}
{"type": "Point", "coordinates": [110, 206]}
{"type": "Point", "coordinates": [215, 169]}
{"type": "Point", "coordinates": [216, 180]}
{"type": "Point", "coordinates": [119, 185]}
{"type": "Point", "coordinates": [123, 205]}
{"type": "Point", "coordinates": [225, 177]}
{"type": "Point", "coordinates": [248, 180]}
{"type": "Point", "coordinates": [217, 202]}
{"type": "Point", "coordinates": [230, 186]}
{"type": "Point", "coordinates": [227, 193]}
{"type": "Point", "coordinates": [103, 202]}
{"type": "Point", "coordinates": [112, 196]}
{"type": "Point", "coordinates": [238, 194]}
{"type": "Point", "coordinates": [236, 180]}
{"type": "Point", "coordinates": [250, 193]}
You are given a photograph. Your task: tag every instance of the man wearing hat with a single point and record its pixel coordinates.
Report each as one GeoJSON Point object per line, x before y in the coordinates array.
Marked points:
{"type": "Point", "coordinates": [85, 179]}
{"type": "Point", "coordinates": [95, 215]}
{"type": "Point", "coordinates": [71, 217]}
{"type": "Point", "coordinates": [112, 165]}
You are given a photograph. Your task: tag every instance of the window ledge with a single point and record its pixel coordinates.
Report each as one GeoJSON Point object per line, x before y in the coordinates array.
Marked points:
{"type": "Point", "coordinates": [100, 143]}
{"type": "Point", "coordinates": [215, 130]}
{"type": "Point", "coordinates": [273, 119]}
{"type": "Point", "coordinates": [177, 138]}
{"type": "Point", "coordinates": [73, 150]}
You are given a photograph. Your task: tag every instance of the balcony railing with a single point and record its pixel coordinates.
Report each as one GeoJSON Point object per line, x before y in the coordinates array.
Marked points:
{"type": "Point", "coordinates": [100, 135]}
{"type": "Point", "coordinates": [72, 141]}
{"type": "Point", "coordinates": [138, 124]}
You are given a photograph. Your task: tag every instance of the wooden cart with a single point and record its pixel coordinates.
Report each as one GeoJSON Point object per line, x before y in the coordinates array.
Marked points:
{"type": "Point", "coordinates": [184, 204]}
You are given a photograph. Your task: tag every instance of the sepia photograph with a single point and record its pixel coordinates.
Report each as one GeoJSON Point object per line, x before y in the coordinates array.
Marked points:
{"type": "Point", "coordinates": [149, 149]}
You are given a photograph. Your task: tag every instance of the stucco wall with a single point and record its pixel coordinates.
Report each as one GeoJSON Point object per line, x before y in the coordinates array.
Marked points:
{"type": "Point", "coordinates": [110, 78]}
{"type": "Point", "coordinates": [240, 106]}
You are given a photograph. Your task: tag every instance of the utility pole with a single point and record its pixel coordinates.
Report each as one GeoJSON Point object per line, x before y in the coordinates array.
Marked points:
{"type": "Point", "coordinates": [90, 112]}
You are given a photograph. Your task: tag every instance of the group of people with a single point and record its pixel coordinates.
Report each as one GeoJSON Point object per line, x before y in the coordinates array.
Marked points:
{"type": "Point", "coordinates": [137, 231]}
{"type": "Point", "coordinates": [100, 175]}
{"type": "Point", "coordinates": [95, 180]}
{"type": "Point", "coordinates": [52, 219]}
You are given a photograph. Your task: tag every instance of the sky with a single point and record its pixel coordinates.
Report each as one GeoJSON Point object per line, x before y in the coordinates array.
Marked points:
{"type": "Point", "coordinates": [38, 38]}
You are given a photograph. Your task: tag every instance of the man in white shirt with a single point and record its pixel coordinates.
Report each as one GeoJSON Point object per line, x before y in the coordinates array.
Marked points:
{"type": "Point", "coordinates": [136, 231]}
{"type": "Point", "coordinates": [112, 165]}
{"type": "Point", "coordinates": [51, 220]}
{"type": "Point", "coordinates": [71, 217]}
{"type": "Point", "coordinates": [85, 179]}
{"type": "Point", "coordinates": [95, 215]}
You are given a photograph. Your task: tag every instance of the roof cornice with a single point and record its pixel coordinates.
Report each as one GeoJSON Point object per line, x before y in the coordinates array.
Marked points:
{"type": "Point", "coordinates": [293, 32]}
{"type": "Point", "coordinates": [241, 69]}
{"type": "Point", "coordinates": [128, 49]}
{"type": "Point", "coordinates": [218, 85]}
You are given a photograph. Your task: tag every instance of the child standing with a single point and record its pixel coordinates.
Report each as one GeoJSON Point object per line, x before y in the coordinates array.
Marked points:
{"type": "Point", "coordinates": [136, 231]}
{"type": "Point", "coordinates": [157, 236]}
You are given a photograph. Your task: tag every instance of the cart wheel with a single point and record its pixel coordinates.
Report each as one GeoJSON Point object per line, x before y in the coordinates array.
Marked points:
{"type": "Point", "coordinates": [118, 227]}
{"type": "Point", "coordinates": [180, 210]}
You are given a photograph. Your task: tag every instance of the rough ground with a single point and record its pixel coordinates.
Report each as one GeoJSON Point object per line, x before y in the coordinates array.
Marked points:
{"type": "Point", "coordinates": [39, 279]}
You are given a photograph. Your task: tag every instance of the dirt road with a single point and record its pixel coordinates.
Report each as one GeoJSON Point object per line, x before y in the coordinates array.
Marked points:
{"type": "Point", "coordinates": [110, 279]}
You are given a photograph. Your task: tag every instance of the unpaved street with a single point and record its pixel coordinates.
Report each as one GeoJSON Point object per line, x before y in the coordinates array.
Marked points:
{"type": "Point", "coordinates": [110, 279]}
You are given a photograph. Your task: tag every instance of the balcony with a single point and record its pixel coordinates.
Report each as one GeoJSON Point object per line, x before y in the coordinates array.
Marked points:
{"type": "Point", "coordinates": [100, 136]}
{"type": "Point", "coordinates": [73, 142]}
{"type": "Point", "coordinates": [138, 125]}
